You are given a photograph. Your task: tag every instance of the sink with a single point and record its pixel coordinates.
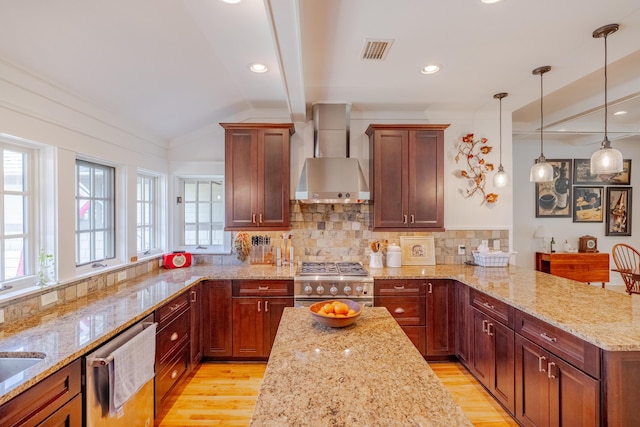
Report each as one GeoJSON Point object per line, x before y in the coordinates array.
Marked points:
{"type": "Point", "coordinates": [14, 362]}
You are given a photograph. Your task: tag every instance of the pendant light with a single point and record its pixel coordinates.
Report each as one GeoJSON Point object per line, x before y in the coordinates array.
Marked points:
{"type": "Point", "coordinates": [541, 171]}
{"type": "Point", "coordinates": [501, 178]}
{"type": "Point", "coordinates": [606, 159]}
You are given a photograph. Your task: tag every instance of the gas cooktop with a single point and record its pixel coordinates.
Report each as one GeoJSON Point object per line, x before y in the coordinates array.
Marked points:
{"type": "Point", "coordinates": [309, 268]}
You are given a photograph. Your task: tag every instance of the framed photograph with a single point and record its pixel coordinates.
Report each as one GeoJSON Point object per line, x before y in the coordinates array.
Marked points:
{"type": "Point", "coordinates": [587, 204]}
{"type": "Point", "coordinates": [553, 199]}
{"type": "Point", "coordinates": [417, 250]}
{"type": "Point", "coordinates": [618, 211]}
{"type": "Point", "coordinates": [582, 174]}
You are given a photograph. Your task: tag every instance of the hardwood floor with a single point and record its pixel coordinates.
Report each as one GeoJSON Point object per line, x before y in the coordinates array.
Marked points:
{"type": "Point", "coordinates": [223, 394]}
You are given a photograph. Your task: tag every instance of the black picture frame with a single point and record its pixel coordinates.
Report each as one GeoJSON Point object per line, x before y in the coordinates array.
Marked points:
{"type": "Point", "coordinates": [618, 208]}
{"type": "Point", "coordinates": [587, 204]}
{"type": "Point", "coordinates": [582, 174]}
{"type": "Point", "coordinates": [549, 194]}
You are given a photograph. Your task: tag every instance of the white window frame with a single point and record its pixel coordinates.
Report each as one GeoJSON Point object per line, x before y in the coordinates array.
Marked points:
{"type": "Point", "coordinates": [225, 247]}
{"type": "Point", "coordinates": [142, 205]}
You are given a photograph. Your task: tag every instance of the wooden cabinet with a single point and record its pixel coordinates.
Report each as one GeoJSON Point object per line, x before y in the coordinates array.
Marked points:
{"type": "Point", "coordinates": [257, 309]}
{"type": "Point", "coordinates": [492, 346]}
{"type": "Point", "coordinates": [440, 318]}
{"type": "Point", "coordinates": [406, 176]}
{"type": "Point", "coordinates": [405, 300]}
{"type": "Point", "coordinates": [173, 351]}
{"type": "Point", "coordinates": [581, 266]}
{"type": "Point", "coordinates": [54, 401]}
{"type": "Point", "coordinates": [463, 331]}
{"type": "Point", "coordinates": [195, 335]}
{"type": "Point", "coordinates": [217, 319]}
{"type": "Point", "coordinates": [257, 175]}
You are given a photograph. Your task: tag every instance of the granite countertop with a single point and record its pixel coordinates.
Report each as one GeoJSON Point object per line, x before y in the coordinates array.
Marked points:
{"type": "Point", "coordinates": [366, 374]}
{"type": "Point", "coordinates": [607, 319]}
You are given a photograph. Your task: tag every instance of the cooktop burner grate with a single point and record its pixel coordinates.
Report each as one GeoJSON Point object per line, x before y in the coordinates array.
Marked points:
{"type": "Point", "coordinates": [309, 268]}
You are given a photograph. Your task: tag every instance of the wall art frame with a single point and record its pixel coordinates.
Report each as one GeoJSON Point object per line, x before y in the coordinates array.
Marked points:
{"type": "Point", "coordinates": [618, 208]}
{"type": "Point", "coordinates": [418, 250]}
{"type": "Point", "coordinates": [587, 204]}
{"type": "Point", "coordinates": [582, 174]}
{"type": "Point", "coordinates": [550, 201]}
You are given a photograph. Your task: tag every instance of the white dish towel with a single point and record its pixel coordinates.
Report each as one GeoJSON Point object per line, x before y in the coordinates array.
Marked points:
{"type": "Point", "coordinates": [131, 367]}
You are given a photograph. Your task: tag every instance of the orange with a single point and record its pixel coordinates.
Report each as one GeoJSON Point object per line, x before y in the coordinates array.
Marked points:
{"type": "Point", "coordinates": [328, 308]}
{"type": "Point", "coordinates": [340, 308]}
{"type": "Point", "coordinates": [331, 315]}
{"type": "Point", "coordinates": [351, 312]}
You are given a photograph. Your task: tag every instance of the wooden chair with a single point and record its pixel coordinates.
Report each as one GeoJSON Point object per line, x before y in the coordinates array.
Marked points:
{"type": "Point", "coordinates": [627, 260]}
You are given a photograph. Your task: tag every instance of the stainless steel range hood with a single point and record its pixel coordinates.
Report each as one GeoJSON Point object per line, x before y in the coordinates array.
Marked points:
{"type": "Point", "coordinates": [331, 176]}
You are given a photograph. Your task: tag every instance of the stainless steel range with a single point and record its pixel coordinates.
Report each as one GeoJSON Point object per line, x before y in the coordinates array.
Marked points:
{"type": "Point", "coordinates": [317, 281]}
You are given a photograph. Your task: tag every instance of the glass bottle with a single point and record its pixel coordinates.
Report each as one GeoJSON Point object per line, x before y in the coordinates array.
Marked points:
{"type": "Point", "coordinates": [553, 242]}
{"type": "Point", "coordinates": [562, 187]}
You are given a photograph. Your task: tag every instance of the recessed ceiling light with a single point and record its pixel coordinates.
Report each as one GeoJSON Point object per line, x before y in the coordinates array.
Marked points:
{"type": "Point", "coordinates": [430, 69]}
{"type": "Point", "coordinates": [258, 68]}
{"type": "Point", "coordinates": [490, 1]}
{"type": "Point", "coordinates": [231, 1]}
{"type": "Point", "coordinates": [620, 113]}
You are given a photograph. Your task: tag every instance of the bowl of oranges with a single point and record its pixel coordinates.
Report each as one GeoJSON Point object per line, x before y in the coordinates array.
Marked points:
{"type": "Point", "coordinates": [336, 313]}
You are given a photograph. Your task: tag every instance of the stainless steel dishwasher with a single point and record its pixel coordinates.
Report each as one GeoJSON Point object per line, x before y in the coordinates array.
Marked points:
{"type": "Point", "coordinates": [138, 410]}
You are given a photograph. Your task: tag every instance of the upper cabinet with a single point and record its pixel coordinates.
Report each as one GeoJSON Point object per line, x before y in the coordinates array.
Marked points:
{"type": "Point", "coordinates": [406, 176]}
{"type": "Point", "coordinates": [257, 182]}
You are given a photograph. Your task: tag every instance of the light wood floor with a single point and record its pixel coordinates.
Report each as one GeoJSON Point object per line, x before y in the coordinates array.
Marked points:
{"type": "Point", "coordinates": [223, 394]}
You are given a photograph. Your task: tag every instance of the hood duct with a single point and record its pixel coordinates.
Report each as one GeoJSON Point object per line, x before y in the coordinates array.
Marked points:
{"type": "Point", "coordinates": [331, 176]}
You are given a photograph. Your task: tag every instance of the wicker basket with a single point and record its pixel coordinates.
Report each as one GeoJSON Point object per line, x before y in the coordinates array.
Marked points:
{"type": "Point", "coordinates": [491, 259]}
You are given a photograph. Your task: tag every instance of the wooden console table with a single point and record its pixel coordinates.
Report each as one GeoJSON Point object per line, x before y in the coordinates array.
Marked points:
{"type": "Point", "coordinates": [581, 266]}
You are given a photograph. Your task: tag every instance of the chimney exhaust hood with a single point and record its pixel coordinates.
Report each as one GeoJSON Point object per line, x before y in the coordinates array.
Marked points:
{"type": "Point", "coordinates": [331, 176]}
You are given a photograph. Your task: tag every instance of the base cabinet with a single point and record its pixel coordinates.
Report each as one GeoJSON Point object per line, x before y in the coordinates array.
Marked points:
{"type": "Point", "coordinates": [217, 319]}
{"type": "Point", "coordinates": [195, 335]}
{"type": "Point", "coordinates": [551, 392]}
{"type": "Point", "coordinates": [440, 323]}
{"type": "Point", "coordinates": [462, 324]}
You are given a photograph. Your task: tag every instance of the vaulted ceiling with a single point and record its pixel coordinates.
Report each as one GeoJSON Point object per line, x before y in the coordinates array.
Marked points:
{"type": "Point", "coordinates": [174, 66]}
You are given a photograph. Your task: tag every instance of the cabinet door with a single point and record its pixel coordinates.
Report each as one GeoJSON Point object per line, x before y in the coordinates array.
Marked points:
{"type": "Point", "coordinates": [503, 379]}
{"type": "Point", "coordinates": [241, 178]}
{"type": "Point", "coordinates": [390, 179]}
{"type": "Point", "coordinates": [440, 326]}
{"type": "Point", "coordinates": [426, 179]}
{"type": "Point", "coordinates": [574, 396]}
{"type": "Point", "coordinates": [463, 329]}
{"type": "Point", "coordinates": [273, 178]}
{"type": "Point", "coordinates": [217, 318]}
{"type": "Point", "coordinates": [483, 355]}
{"type": "Point", "coordinates": [532, 385]}
{"type": "Point", "coordinates": [248, 328]}
{"type": "Point", "coordinates": [70, 415]}
{"type": "Point", "coordinates": [196, 324]}
{"type": "Point", "coordinates": [273, 308]}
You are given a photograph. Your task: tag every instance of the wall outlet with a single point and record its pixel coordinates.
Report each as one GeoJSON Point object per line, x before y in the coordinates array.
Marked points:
{"type": "Point", "coordinates": [49, 298]}
{"type": "Point", "coordinates": [122, 276]}
{"type": "Point", "coordinates": [462, 250]}
{"type": "Point", "coordinates": [1, 315]}
{"type": "Point", "coordinates": [485, 242]}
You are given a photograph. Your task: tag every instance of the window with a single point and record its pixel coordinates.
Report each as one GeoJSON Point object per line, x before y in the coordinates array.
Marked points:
{"type": "Point", "coordinates": [203, 215]}
{"type": "Point", "coordinates": [95, 209]}
{"type": "Point", "coordinates": [146, 207]}
{"type": "Point", "coordinates": [16, 232]}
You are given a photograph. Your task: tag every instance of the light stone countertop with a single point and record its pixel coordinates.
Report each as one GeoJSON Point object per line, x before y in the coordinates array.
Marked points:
{"type": "Point", "coordinates": [608, 319]}
{"type": "Point", "coordinates": [366, 374]}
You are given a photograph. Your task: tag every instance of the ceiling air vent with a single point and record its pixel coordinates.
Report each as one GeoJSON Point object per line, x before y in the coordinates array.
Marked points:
{"type": "Point", "coordinates": [376, 49]}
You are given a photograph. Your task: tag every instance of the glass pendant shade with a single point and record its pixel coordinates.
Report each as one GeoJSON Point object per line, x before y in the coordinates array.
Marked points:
{"type": "Point", "coordinates": [606, 160]}
{"type": "Point", "coordinates": [541, 171]}
{"type": "Point", "coordinates": [501, 178]}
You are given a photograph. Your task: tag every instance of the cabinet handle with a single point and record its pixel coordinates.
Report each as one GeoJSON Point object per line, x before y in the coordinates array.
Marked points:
{"type": "Point", "coordinates": [404, 220]}
{"type": "Point", "coordinates": [174, 374]}
{"type": "Point", "coordinates": [259, 302]}
{"type": "Point", "coordinates": [485, 323]}
{"type": "Point", "coordinates": [430, 288]}
{"type": "Point", "coordinates": [399, 310]}
{"type": "Point", "coordinates": [260, 218]}
{"type": "Point", "coordinates": [489, 329]}
{"type": "Point", "coordinates": [194, 296]}
{"type": "Point", "coordinates": [253, 218]}
{"type": "Point", "coordinates": [398, 287]}
{"type": "Point", "coordinates": [547, 337]}
{"type": "Point", "coordinates": [263, 288]}
{"type": "Point", "coordinates": [174, 336]}
{"type": "Point", "coordinates": [413, 219]}
{"type": "Point", "coordinates": [174, 307]}
{"type": "Point", "coordinates": [489, 306]}
{"type": "Point", "coordinates": [550, 375]}
{"type": "Point", "coordinates": [540, 360]}
{"type": "Point", "coordinates": [266, 306]}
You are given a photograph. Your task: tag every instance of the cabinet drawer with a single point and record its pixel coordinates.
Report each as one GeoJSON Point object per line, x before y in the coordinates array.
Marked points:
{"type": "Point", "coordinates": [262, 288]}
{"type": "Point", "coordinates": [172, 336]}
{"type": "Point", "coordinates": [173, 308]}
{"type": "Point", "coordinates": [583, 355]}
{"type": "Point", "coordinates": [399, 287]}
{"type": "Point", "coordinates": [170, 373]}
{"type": "Point", "coordinates": [500, 311]}
{"type": "Point", "coordinates": [408, 311]}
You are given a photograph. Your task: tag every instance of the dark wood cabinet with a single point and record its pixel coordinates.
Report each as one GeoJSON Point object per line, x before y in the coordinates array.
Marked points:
{"type": "Point", "coordinates": [217, 319]}
{"type": "Point", "coordinates": [195, 294]}
{"type": "Point", "coordinates": [257, 175]}
{"type": "Point", "coordinates": [406, 176]}
{"type": "Point", "coordinates": [440, 321]}
{"type": "Point", "coordinates": [257, 310]}
{"type": "Point", "coordinates": [552, 392]}
{"type": "Point", "coordinates": [463, 332]}
{"type": "Point", "coordinates": [54, 401]}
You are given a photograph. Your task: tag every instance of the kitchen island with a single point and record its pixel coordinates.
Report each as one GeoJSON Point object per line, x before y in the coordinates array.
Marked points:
{"type": "Point", "coordinates": [366, 374]}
